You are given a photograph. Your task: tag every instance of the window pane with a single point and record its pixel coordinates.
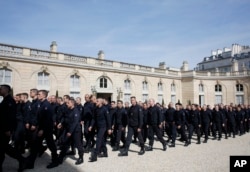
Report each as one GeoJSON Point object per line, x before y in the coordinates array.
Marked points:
{"type": "Point", "coordinates": [201, 100]}
{"type": "Point", "coordinates": [105, 83]}
{"type": "Point", "coordinates": [43, 79]}
{"type": "Point", "coordinates": [144, 97]}
{"type": "Point", "coordinates": [160, 88]}
{"type": "Point", "coordinates": [101, 83]}
{"type": "Point", "coordinates": [172, 87]}
{"type": "Point", "coordinates": [239, 99]}
{"type": "Point", "coordinates": [218, 99]}
{"type": "Point", "coordinates": [127, 84]}
{"type": "Point", "coordinates": [173, 99]}
{"type": "Point", "coordinates": [160, 98]}
{"type": "Point", "coordinates": [127, 97]}
{"type": "Point", "coordinates": [144, 85]}
{"type": "Point", "coordinates": [1, 75]}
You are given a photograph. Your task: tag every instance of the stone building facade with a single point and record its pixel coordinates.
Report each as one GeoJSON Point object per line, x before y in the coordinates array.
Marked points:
{"type": "Point", "coordinates": [25, 68]}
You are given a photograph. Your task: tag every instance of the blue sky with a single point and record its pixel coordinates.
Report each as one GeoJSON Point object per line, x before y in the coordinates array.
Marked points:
{"type": "Point", "coordinates": [143, 32]}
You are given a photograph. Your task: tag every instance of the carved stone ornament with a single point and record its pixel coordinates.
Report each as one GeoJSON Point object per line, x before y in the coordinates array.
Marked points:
{"type": "Point", "coordinates": [4, 64]}
{"type": "Point", "coordinates": [44, 69]}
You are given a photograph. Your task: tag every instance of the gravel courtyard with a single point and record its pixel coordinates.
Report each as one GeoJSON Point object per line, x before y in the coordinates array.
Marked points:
{"type": "Point", "coordinates": [212, 156]}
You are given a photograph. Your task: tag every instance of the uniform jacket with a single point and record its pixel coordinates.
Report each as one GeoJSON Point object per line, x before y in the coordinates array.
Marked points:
{"type": "Point", "coordinates": [154, 115]}
{"type": "Point", "coordinates": [135, 116]}
{"type": "Point", "coordinates": [8, 112]}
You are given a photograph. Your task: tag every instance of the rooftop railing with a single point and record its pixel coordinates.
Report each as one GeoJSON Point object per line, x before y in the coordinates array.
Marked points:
{"type": "Point", "coordinates": [21, 52]}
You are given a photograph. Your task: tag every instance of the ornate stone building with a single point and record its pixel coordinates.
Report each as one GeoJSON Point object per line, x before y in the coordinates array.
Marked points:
{"type": "Point", "coordinates": [25, 68]}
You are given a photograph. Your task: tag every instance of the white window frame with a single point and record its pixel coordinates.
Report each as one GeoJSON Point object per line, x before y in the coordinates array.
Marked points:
{"type": "Point", "coordinates": [6, 73]}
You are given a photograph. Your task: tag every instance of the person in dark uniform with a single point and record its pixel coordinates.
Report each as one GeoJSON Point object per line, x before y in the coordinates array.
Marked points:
{"type": "Point", "coordinates": [144, 130]}
{"type": "Point", "coordinates": [218, 122]}
{"type": "Point", "coordinates": [33, 123]}
{"type": "Point", "coordinates": [179, 118]}
{"type": "Point", "coordinates": [44, 131]}
{"type": "Point", "coordinates": [224, 112]}
{"type": "Point", "coordinates": [239, 120]}
{"type": "Point", "coordinates": [18, 136]}
{"type": "Point", "coordinates": [87, 116]}
{"type": "Point", "coordinates": [155, 125]}
{"type": "Point", "coordinates": [72, 129]}
{"type": "Point", "coordinates": [194, 122]}
{"type": "Point", "coordinates": [135, 123]}
{"type": "Point", "coordinates": [102, 122]}
{"type": "Point", "coordinates": [26, 110]}
{"type": "Point", "coordinates": [231, 122]}
{"type": "Point", "coordinates": [119, 125]}
{"type": "Point", "coordinates": [246, 118]}
{"type": "Point", "coordinates": [112, 112]}
{"type": "Point", "coordinates": [8, 112]}
{"type": "Point", "coordinates": [170, 124]}
{"type": "Point", "coordinates": [79, 104]}
{"type": "Point", "coordinates": [206, 119]}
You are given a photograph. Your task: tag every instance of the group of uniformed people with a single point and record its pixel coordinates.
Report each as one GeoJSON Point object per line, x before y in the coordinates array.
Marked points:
{"type": "Point", "coordinates": [63, 123]}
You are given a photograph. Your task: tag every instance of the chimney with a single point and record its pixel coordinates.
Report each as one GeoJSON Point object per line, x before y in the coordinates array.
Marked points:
{"type": "Point", "coordinates": [101, 55]}
{"type": "Point", "coordinates": [53, 47]}
{"type": "Point", "coordinates": [162, 65]}
{"type": "Point", "coordinates": [184, 66]}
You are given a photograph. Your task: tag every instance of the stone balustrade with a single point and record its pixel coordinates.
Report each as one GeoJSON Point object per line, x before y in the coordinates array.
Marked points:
{"type": "Point", "coordinates": [16, 51]}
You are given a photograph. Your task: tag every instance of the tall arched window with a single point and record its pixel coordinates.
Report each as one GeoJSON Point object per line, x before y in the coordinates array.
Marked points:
{"type": "Point", "coordinates": [239, 94]}
{"type": "Point", "coordinates": [75, 86]}
{"type": "Point", "coordinates": [144, 85]}
{"type": "Point", "coordinates": [239, 88]}
{"type": "Point", "coordinates": [43, 79]}
{"type": "Point", "coordinates": [5, 76]}
{"type": "Point", "coordinates": [74, 81]}
{"type": "Point", "coordinates": [218, 93]}
{"type": "Point", "coordinates": [218, 88]}
{"type": "Point", "coordinates": [127, 84]}
{"type": "Point", "coordinates": [201, 94]}
{"type": "Point", "coordinates": [201, 88]}
{"type": "Point", "coordinates": [103, 82]}
{"type": "Point", "coordinates": [160, 87]}
{"type": "Point", "coordinates": [173, 88]}
{"type": "Point", "coordinates": [173, 93]}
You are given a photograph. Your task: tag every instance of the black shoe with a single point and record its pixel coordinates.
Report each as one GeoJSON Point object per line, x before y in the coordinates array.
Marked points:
{"type": "Point", "coordinates": [219, 139]}
{"type": "Point", "coordinates": [172, 145]}
{"type": "Point", "coordinates": [24, 164]}
{"type": "Point", "coordinates": [115, 148]}
{"type": "Point", "coordinates": [52, 165]}
{"type": "Point", "coordinates": [60, 160]}
{"type": "Point", "coordinates": [205, 141]}
{"type": "Point", "coordinates": [41, 152]}
{"type": "Point", "coordinates": [142, 151]}
{"type": "Point", "coordinates": [199, 142]}
{"type": "Point", "coordinates": [92, 159]}
{"type": "Point", "coordinates": [186, 144]}
{"type": "Point", "coordinates": [164, 146]}
{"type": "Point", "coordinates": [71, 153]}
{"type": "Point", "coordinates": [214, 138]}
{"type": "Point", "coordinates": [79, 161]}
{"type": "Point", "coordinates": [101, 155]}
{"type": "Point", "coordinates": [123, 153]}
{"type": "Point", "coordinates": [233, 136]}
{"type": "Point", "coordinates": [150, 148]}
